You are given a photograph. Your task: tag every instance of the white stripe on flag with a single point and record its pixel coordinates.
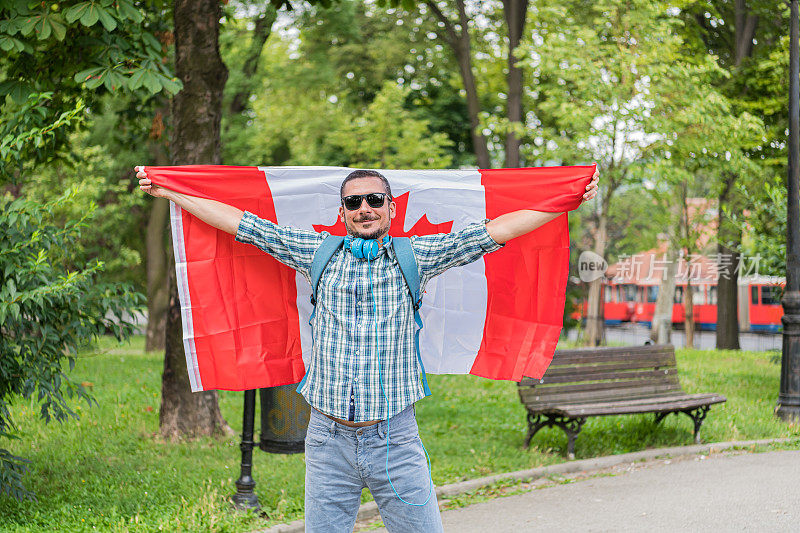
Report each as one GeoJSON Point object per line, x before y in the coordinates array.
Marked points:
{"type": "Point", "coordinates": [454, 303]}
{"type": "Point", "coordinates": [179, 248]}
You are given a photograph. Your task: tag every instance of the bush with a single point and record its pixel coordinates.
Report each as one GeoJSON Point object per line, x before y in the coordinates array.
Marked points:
{"type": "Point", "coordinates": [49, 308]}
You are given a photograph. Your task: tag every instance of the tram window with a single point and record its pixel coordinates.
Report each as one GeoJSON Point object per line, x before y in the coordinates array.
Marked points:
{"type": "Point", "coordinates": [754, 295]}
{"type": "Point", "coordinates": [698, 296]}
{"type": "Point", "coordinates": [770, 295]}
{"type": "Point", "coordinates": [678, 295]}
{"type": "Point", "coordinates": [652, 293]}
{"type": "Point", "coordinates": [607, 291]}
{"type": "Point", "coordinates": [712, 295]}
{"type": "Point", "coordinates": [630, 293]}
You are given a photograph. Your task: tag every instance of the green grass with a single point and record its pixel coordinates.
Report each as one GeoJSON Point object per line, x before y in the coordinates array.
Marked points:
{"type": "Point", "coordinates": [109, 471]}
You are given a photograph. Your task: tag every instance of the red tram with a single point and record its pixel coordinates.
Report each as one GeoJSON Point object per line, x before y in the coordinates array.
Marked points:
{"type": "Point", "coordinates": [759, 303]}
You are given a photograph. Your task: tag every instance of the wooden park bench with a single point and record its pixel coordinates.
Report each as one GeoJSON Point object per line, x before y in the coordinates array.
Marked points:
{"type": "Point", "coordinates": [609, 381]}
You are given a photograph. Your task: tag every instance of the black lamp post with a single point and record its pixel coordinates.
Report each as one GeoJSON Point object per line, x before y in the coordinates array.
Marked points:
{"type": "Point", "coordinates": [245, 497]}
{"type": "Point", "coordinates": [284, 420]}
{"type": "Point", "coordinates": [789, 396]}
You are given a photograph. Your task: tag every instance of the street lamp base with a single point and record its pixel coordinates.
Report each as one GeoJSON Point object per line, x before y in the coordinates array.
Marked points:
{"type": "Point", "coordinates": [788, 413]}
{"type": "Point", "coordinates": [245, 498]}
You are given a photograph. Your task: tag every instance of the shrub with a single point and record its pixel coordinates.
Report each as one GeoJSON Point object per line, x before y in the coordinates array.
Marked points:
{"type": "Point", "coordinates": [50, 307]}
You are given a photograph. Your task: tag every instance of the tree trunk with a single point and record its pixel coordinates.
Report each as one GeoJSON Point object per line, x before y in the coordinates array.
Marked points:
{"type": "Point", "coordinates": [661, 328]}
{"type": "Point", "coordinates": [459, 42]}
{"type": "Point", "coordinates": [261, 32]}
{"type": "Point", "coordinates": [157, 265]}
{"type": "Point", "coordinates": [745, 24]}
{"type": "Point", "coordinates": [515, 12]}
{"type": "Point", "coordinates": [595, 317]}
{"type": "Point", "coordinates": [595, 330]}
{"type": "Point", "coordinates": [688, 305]}
{"type": "Point", "coordinates": [480, 147]}
{"type": "Point", "coordinates": [157, 262]}
{"type": "Point", "coordinates": [689, 239]}
{"type": "Point", "coordinates": [727, 335]}
{"type": "Point", "coordinates": [196, 113]}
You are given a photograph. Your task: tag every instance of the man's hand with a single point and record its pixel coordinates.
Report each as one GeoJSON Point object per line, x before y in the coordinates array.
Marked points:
{"type": "Point", "coordinates": [147, 186]}
{"type": "Point", "coordinates": [591, 189]}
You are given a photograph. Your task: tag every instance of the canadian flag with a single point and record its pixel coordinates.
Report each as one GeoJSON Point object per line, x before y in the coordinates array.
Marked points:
{"type": "Point", "coordinates": [245, 315]}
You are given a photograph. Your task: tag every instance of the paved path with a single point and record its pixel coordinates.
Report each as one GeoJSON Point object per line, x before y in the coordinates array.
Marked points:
{"type": "Point", "coordinates": [743, 492]}
{"type": "Point", "coordinates": [635, 334]}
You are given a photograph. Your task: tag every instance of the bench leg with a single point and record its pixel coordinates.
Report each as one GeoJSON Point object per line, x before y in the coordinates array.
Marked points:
{"type": "Point", "coordinates": [697, 416]}
{"type": "Point", "coordinates": [535, 423]}
{"type": "Point", "coordinates": [660, 417]}
{"type": "Point", "coordinates": [570, 426]}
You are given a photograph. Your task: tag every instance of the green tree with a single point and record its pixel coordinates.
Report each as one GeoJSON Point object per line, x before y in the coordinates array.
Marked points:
{"type": "Point", "coordinates": [387, 136]}
{"type": "Point", "coordinates": [616, 84]}
{"type": "Point", "coordinates": [453, 28]}
{"type": "Point", "coordinates": [57, 59]}
{"type": "Point", "coordinates": [591, 63]}
{"type": "Point", "coordinates": [242, 48]}
{"type": "Point", "coordinates": [84, 51]}
{"type": "Point", "coordinates": [50, 307]}
{"type": "Point", "coordinates": [703, 141]}
{"type": "Point", "coordinates": [319, 85]}
{"type": "Point", "coordinates": [74, 50]}
{"type": "Point", "coordinates": [744, 35]}
{"type": "Point", "coordinates": [764, 225]}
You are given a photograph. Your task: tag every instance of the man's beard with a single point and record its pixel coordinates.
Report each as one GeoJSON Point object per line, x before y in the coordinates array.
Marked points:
{"type": "Point", "coordinates": [374, 234]}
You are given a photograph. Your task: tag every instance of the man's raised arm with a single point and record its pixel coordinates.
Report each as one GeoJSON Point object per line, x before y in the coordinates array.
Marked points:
{"type": "Point", "coordinates": [222, 216]}
{"type": "Point", "coordinates": [517, 223]}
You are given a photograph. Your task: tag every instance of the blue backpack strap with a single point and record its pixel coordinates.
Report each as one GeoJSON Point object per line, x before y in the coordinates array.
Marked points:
{"type": "Point", "coordinates": [408, 266]}
{"type": "Point", "coordinates": [321, 259]}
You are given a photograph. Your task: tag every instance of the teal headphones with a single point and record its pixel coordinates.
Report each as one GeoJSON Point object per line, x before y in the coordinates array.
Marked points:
{"type": "Point", "coordinates": [364, 248]}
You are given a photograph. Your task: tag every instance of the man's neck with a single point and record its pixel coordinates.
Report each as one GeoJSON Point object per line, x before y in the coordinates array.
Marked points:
{"type": "Point", "coordinates": [379, 238]}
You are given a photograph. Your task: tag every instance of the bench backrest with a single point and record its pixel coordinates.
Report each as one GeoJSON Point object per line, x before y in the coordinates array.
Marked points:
{"type": "Point", "coordinates": [601, 374]}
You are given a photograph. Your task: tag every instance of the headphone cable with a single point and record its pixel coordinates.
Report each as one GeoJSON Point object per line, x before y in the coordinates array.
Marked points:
{"type": "Point", "coordinates": [380, 381]}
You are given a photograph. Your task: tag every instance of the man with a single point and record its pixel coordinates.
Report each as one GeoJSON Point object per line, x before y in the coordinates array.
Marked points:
{"type": "Point", "coordinates": [363, 378]}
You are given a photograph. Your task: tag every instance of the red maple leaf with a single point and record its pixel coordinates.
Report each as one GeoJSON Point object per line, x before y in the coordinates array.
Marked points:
{"type": "Point", "coordinates": [423, 226]}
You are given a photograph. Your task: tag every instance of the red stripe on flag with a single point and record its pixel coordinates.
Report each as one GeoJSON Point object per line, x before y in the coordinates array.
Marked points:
{"type": "Point", "coordinates": [244, 302]}
{"type": "Point", "coordinates": [527, 279]}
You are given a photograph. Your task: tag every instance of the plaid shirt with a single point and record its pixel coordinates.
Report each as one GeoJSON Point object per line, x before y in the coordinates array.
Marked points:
{"type": "Point", "coordinates": [344, 364]}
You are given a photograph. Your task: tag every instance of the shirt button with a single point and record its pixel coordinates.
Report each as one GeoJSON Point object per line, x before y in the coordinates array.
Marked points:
{"type": "Point", "coordinates": [352, 397]}
{"type": "Point", "coordinates": [355, 380]}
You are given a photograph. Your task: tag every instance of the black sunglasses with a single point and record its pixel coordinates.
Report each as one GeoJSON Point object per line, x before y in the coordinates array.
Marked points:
{"type": "Point", "coordinates": [374, 200]}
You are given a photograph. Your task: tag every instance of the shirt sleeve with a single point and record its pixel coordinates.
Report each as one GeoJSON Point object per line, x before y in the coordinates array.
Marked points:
{"type": "Point", "coordinates": [291, 246]}
{"type": "Point", "coordinates": [436, 253]}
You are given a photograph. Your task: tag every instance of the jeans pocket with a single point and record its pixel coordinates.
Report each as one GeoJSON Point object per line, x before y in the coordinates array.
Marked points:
{"type": "Point", "coordinates": [403, 436]}
{"type": "Point", "coordinates": [317, 438]}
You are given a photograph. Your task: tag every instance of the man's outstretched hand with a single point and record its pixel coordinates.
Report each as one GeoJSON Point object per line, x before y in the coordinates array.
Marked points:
{"type": "Point", "coordinates": [591, 189]}
{"type": "Point", "coordinates": [147, 186]}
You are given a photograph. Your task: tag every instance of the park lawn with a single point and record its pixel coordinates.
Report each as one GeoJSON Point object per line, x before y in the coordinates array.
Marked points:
{"type": "Point", "coordinates": [110, 472]}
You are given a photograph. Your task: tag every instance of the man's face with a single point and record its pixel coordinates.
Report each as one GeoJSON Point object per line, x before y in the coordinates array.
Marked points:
{"type": "Point", "coordinates": [367, 222]}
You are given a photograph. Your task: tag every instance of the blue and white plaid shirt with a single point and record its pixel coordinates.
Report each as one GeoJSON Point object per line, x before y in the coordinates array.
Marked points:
{"type": "Point", "coordinates": [344, 364]}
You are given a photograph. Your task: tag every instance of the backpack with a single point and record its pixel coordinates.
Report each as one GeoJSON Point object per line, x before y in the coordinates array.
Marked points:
{"type": "Point", "coordinates": [408, 267]}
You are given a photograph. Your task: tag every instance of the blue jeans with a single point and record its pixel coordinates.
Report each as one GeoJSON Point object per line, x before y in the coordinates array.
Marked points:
{"type": "Point", "coordinates": [341, 461]}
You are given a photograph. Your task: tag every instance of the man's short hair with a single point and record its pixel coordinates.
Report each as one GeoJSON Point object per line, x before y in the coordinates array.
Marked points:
{"type": "Point", "coordinates": [366, 174]}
